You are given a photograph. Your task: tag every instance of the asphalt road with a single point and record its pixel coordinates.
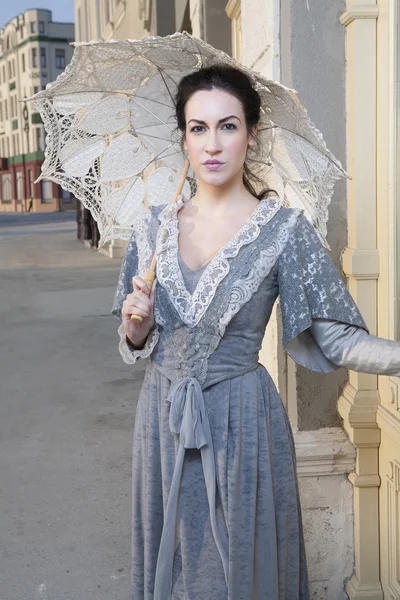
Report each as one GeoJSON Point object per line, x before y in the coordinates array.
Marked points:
{"type": "Point", "coordinates": [67, 403]}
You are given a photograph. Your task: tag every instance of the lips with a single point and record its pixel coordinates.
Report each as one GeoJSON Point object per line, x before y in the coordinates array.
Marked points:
{"type": "Point", "coordinates": [213, 165]}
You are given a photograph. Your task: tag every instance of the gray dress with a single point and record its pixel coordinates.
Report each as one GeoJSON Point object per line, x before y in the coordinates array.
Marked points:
{"type": "Point", "coordinates": [216, 512]}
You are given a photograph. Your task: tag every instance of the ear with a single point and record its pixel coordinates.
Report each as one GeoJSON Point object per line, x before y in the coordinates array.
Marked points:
{"type": "Point", "coordinates": [184, 139]}
{"type": "Point", "coordinates": [252, 137]}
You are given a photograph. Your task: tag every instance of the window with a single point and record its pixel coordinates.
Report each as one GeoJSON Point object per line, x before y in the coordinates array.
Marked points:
{"type": "Point", "coordinates": [4, 74]}
{"type": "Point", "coordinates": [3, 148]}
{"type": "Point", "coordinates": [6, 188]}
{"type": "Point", "coordinates": [1, 111]}
{"type": "Point", "coordinates": [60, 59]}
{"type": "Point", "coordinates": [65, 196]}
{"type": "Point", "coordinates": [13, 67]}
{"type": "Point", "coordinates": [34, 58]}
{"type": "Point", "coordinates": [233, 10]}
{"type": "Point", "coordinates": [9, 70]}
{"type": "Point", "coordinates": [47, 191]}
{"type": "Point", "coordinates": [43, 58]}
{"type": "Point", "coordinates": [30, 183]}
{"type": "Point", "coordinates": [23, 62]}
{"type": "Point", "coordinates": [21, 32]}
{"type": "Point", "coordinates": [79, 26]}
{"type": "Point", "coordinates": [107, 11]}
{"type": "Point", "coordinates": [5, 109]}
{"type": "Point", "coordinates": [20, 185]}
{"type": "Point", "coordinates": [33, 27]}
{"type": "Point", "coordinates": [39, 145]}
{"type": "Point", "coordinates": [41, 26]}
{"type": "Point", "coordinates": [8, 146]}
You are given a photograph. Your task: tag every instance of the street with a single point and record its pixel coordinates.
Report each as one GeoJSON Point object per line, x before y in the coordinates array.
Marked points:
{"type": "Point", "coordinates": [66, 417]}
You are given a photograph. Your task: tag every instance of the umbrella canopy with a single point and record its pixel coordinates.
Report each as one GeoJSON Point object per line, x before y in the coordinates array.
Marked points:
{"type": "Point", "coordinates": [112, 137]}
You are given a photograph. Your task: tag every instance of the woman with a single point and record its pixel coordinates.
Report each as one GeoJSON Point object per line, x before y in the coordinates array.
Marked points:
{"type": "Point", "coordinates": [216, 510]}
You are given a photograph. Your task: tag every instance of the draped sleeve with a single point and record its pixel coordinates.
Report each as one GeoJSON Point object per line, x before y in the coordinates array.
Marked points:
{"type": "Point", "coordinates": [129, 269]}
{"type": "Point", "coordinates": [310, 288]}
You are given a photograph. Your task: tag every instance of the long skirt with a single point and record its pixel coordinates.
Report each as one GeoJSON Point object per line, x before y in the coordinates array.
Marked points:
{"type": "Point", "coordinates": [257, 496]}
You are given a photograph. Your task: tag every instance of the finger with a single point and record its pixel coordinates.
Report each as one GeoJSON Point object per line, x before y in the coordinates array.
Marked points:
{"type": "Point", "coordinates": [139, 303]}
{"type": "Point", "coordinates": [139, 283]}
{"type": "Point", "coordinates": [135, 310]}
{"type": "Point", "coordinates": [137, 294]}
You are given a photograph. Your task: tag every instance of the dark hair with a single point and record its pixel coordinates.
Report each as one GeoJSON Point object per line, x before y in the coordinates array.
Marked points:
{"type": "Point", "coordinates": [235, 82]}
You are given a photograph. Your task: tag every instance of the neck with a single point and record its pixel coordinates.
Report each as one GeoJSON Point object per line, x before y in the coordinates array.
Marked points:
{"type": "Point", "coordinates": [223, 197]}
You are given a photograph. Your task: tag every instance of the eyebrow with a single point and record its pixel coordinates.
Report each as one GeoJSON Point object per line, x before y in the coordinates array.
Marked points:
{"type": "Point", "coordinates": [220, 121]}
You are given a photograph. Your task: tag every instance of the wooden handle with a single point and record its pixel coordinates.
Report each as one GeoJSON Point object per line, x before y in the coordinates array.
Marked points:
{"type": "Point", "coordinates": [150, 274]}
{"type": "Point", "coordinates": [149, 278]}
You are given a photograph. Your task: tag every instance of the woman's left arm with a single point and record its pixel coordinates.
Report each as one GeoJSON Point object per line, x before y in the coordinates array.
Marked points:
{"type": "Point", "coordinates": [354, 348]}
{"type": "Point", "coordinates": [322, 326]}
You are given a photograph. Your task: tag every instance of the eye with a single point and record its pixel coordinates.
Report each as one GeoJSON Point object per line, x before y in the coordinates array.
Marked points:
{"type": "Point", "coordinates": [197, 128]}
{"type": "Point", "coordinates": [229, 126]}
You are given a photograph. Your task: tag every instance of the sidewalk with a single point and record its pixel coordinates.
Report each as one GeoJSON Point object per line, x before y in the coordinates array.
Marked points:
{"type": "Point", "coordinates": [67, 405]}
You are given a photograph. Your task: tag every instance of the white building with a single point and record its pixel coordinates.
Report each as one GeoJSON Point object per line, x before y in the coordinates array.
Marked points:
{"type": "Point", "coordinates": [33, 51]}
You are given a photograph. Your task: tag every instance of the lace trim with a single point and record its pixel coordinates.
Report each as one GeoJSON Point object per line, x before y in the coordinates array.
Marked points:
{"type": "Point", "coordinates": [131, 356]}
{"type": "Point", "coordinates": [145, 252]}
{"type": "Point", "coordinates": [244, 288]}
{"type": "Point", "coordinates": [191, 307]}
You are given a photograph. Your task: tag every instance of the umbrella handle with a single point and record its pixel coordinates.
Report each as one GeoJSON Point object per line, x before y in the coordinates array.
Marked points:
{"type": "Point", "coordinates": [150, 274]}
{"type": "Point", "coordinates": [149, 278]}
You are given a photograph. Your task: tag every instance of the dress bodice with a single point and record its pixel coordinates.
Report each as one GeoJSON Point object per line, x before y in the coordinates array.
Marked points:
{"type": "Point", "coordinates": [210, 322]}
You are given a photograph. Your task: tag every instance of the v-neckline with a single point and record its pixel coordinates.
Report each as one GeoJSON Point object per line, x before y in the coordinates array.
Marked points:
{"type": "Point", "coordinates": [190, 268]}
{"type": "Point", "coordinates": [220, 251]}
{"type": "Point", "coordinates": [192, 306]}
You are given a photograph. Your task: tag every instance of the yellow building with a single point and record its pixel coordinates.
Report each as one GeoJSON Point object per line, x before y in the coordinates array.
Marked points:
{"type": "Point", "coordinates": [345, 65]}
{"type": "Point", "coordinates": [34, 50]}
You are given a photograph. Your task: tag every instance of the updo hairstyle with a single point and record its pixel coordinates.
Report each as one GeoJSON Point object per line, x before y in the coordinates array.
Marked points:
{"type": "Point", "coordinates": [235, 82]}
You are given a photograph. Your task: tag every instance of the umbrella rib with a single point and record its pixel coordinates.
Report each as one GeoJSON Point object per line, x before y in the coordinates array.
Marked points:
{"type": "Point", "coordinates": [152, 114]}
{"type": "Point", "coordinates": [156, 137]}
{"type": "Point", "coordinates": [306, 140]}
{"type": "Point", "coordinates": [137, 176]}
{"type": "Point", "coordinates": [165, 83]}
{"type": "Point", "coordinates": [148, 126]}
{"type": "Point", "coordinates": [167, 75]}
{"type": "Point", "coordinates": [155, 101]}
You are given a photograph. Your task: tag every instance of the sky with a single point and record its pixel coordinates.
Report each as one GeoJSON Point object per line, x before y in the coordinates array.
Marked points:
{"type": "Point", "coordinates": [63, 10]}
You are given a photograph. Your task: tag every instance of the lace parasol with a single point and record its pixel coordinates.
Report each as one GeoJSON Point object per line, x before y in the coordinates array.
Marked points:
{"type": "Point", "coordinates": [112, 137]}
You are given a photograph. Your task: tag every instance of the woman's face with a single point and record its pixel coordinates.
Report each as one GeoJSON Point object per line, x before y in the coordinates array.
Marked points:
{"type": "Point", "coordinates": [216, 136]}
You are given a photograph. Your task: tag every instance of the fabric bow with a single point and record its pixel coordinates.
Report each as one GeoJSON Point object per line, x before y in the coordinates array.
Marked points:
{"type": "Point", "coordinates": [188, 419]}
{"type": "Point", "coordinates": [187, 413]}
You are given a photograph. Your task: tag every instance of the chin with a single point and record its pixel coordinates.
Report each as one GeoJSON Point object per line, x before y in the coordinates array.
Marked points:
{"type": "Point", "coordinates": [216, 179]}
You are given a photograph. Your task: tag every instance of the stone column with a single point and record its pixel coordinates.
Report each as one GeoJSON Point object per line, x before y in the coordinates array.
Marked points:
{"type": "Point", "coordinates": [358, 404]}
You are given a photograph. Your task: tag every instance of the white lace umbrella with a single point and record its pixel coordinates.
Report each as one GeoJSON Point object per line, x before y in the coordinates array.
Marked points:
{"type": "Point", "coordinates": [112, 137]}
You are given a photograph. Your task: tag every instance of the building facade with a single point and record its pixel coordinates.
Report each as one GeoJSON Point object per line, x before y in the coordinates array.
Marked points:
{"type": "Point", "coordinates": [346, 425]}
{"type": "Point", "coordinates": [34, 50]}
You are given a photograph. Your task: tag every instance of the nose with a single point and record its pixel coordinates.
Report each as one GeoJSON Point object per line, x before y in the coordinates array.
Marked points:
{"type": "Point", "coordinates": [213, 145]}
